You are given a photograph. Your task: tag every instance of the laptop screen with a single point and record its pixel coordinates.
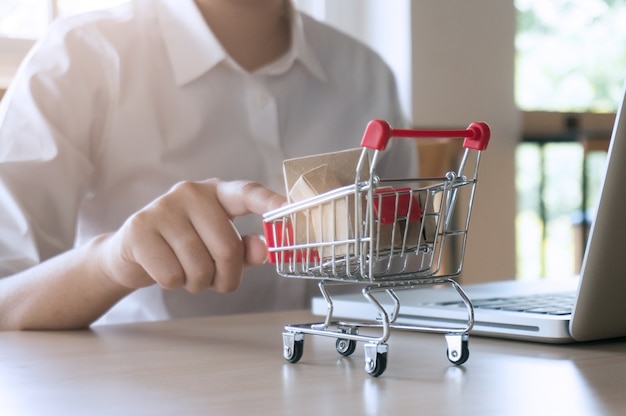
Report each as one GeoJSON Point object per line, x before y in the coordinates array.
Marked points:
{"type": "Point", "coordinates": [600, 311]}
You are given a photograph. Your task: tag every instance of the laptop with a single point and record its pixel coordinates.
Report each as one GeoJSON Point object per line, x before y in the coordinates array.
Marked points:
{"type": "Point", "coordinates": [591, 306]}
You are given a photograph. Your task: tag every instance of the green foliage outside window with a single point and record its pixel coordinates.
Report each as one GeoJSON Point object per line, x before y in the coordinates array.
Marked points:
{"type": "Point", "coordinates": [571, 54]}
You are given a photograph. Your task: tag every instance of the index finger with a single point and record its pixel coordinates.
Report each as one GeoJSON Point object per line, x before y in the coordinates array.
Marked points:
{"type": "Point", "coordinates": [246, 197]}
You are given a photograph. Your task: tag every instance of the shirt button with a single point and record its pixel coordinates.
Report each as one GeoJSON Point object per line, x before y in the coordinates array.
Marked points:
{"type": "Point", "coordinates": [262, 99]}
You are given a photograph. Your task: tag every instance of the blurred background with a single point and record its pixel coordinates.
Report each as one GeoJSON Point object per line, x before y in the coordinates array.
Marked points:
{"type": "Point", "coordinates": [547, 77]}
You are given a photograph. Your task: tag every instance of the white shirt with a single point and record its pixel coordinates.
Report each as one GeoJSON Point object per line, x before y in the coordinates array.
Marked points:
{"type": "Point", "coordinates": [112, 108]}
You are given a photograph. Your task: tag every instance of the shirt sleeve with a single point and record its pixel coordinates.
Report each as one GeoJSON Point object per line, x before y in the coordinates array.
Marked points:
{"type": "Point", "coordinates": [52, 114]}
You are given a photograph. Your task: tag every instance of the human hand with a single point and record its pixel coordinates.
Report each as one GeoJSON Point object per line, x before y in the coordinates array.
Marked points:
{"type": "Point", "coordinates": [186, 238]}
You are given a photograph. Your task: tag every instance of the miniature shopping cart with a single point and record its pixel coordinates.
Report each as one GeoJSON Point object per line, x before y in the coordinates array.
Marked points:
{"type": "Point", "coordinates": [384, 235]}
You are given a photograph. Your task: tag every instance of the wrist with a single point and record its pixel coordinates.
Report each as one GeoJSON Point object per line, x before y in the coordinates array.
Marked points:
{"type": "Point", "coordinates": [101, 269]}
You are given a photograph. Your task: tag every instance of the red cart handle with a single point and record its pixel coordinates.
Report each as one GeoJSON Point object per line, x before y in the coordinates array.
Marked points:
{"type": "Point", "coordinates": [378, 132]}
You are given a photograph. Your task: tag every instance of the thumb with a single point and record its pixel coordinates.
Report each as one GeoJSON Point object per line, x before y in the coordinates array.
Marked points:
{"type": "Point", "coordinates": [255, 250]}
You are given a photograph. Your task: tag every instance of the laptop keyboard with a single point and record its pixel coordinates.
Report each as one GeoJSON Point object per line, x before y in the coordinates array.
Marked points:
{"type": "Point", "coordinates": [547, 304]}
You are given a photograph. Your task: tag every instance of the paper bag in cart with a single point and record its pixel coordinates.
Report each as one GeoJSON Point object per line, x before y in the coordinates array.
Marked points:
{"type": "Point", "coordinates": [333, 221]}
{"type": "Point", "coordinates": [331, 225]}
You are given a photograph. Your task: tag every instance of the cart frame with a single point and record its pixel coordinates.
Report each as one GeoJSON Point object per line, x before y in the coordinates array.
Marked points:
{"type": "Point", "coordinates": [384, 235]}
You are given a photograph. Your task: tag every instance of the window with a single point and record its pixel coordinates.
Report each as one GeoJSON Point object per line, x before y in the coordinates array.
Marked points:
{"type": "Point", "coordinates": [571, 54]}
{"type": "Point", "coordinates": [570, 69]}
{"type": "Point", "coordinates": [23, 21]}
{"type": "Point", "coordinates": [28, 19]}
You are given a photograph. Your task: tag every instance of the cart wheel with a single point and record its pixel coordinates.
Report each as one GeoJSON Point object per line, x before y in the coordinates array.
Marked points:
{"type": "Point", "coordinates": [345, 347]}
{"type": "Point", "coordinates": [293, 346]}
{"type": "Point", "coordinates": [378, 366]}
{"type": "Point", "coordinates": [294, 353]}
{"type": "Point", "coordinates": [458, 358]}
{"type": "Point", "coordinates": [376, 358]}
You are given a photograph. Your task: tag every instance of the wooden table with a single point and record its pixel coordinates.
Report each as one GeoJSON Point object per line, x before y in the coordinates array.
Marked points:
{"type": "Point", "coordinates": [233, 365]}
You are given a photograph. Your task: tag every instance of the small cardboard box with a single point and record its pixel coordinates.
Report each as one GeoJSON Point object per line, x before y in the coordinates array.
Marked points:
{"type": "Point", "coordinates": [398, 212]}
{"type": "Point", "coordinates": [312, 183]}
{"type": "Point", "coordinates": [330, 221]}
{"type": "Point", "coordinates": [341, 165]}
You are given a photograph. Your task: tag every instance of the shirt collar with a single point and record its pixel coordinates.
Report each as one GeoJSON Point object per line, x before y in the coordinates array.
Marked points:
{"type": "Point", "coordinates": [300, 50]}
{"type": "Point", "coordinates": [193, 49]}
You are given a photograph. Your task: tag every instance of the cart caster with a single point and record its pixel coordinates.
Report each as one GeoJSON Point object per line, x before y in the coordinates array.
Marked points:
{"type": "Point", "coordinates": [375, 359]}
{"type": "Point", "coordinates": [458, 350]}
{"type": "Point", "coordinates": [293, 346]}
{"type": "Point", "coordinates": [345, 347]}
